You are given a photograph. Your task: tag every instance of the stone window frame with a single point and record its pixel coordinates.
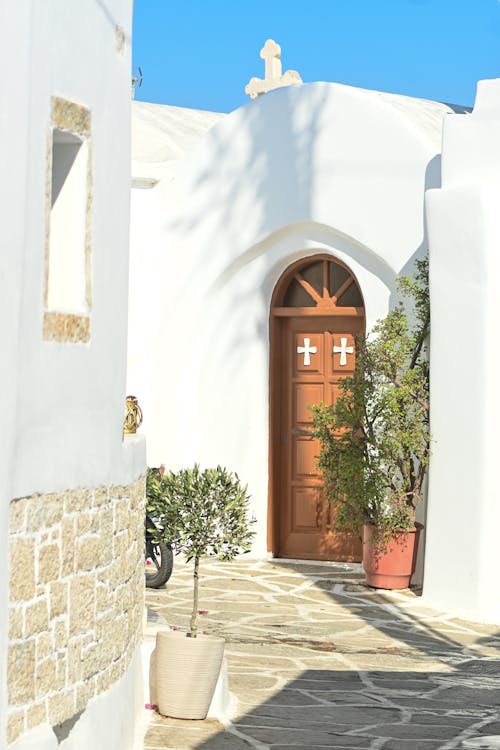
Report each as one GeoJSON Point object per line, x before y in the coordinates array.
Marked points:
{"type": "Point", "coordinates": [65, 327]}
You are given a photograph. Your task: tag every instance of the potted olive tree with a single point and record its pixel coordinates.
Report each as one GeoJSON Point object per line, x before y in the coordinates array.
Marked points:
{"type": "Point", "coordinates": [375, 441]}
{"type": "Point", "coordinates": [200, 512]}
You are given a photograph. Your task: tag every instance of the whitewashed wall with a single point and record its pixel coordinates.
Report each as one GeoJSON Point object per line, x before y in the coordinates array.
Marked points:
{"type": "Point", "coordinates": [63, 403]}
{"type": "Point", "coordinates": [314, 168]}
{"type": "Point", "coordinates": [463, 553]}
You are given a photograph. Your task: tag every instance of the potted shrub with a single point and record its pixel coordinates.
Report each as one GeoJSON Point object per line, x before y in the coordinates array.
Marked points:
{"type": "Point", "coordinates": [200, 512]}
{"type": "Point", "coordinates": [375, 441]}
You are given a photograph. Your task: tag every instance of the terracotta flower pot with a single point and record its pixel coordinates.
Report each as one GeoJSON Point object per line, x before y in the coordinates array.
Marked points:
{"type": "Point", "coordinates": [186, 673]}
{"type": "Point", "coordinates": [394, 567]}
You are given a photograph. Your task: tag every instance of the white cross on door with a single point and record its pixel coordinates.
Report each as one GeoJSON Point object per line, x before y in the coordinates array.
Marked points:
{"type": "Point", "coordinates": [343, 350]}
{"type": "Point", "coordinates": [306, 350]}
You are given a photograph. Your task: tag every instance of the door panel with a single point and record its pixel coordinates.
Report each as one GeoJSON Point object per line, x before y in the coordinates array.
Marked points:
{"type": "Point", "coordinates": [305, 510]}
{"type": "Point", "coordinates": [304, 465]}
{"type": "Point", "coordinates": [305, 394]}
{"type": "Point", "coordinates": [342, 354]}
{"type": "Point", "coordinates": [308, 354]}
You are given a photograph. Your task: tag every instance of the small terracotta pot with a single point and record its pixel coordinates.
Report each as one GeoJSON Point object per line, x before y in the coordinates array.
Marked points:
{"type": "Point", "coordinates": [394, 567]}
{"type": "Point", "coordinates": [186, 673]}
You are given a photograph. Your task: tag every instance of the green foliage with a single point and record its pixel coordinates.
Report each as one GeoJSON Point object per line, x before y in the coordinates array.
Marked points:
{"type": "Point", "coordinates": [375, 442]}
{"type": "Point", "coordinates": [200, 512]}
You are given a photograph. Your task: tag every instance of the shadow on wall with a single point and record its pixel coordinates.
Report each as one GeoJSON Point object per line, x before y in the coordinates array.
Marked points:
{"type": "Point", "coordinates": [281, 145]}
{"type": "Point", "coordinates": [432, 181]}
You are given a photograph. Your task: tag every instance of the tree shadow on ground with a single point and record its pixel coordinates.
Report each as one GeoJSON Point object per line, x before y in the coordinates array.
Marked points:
{"type": "Point", "coordinates": [389, 710]}
{"type": "Point", "coordinates": [390, 614]}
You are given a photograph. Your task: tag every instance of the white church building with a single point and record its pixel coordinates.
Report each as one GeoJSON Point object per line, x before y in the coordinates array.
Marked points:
{"type": "Point", "coordinates": [262, 236]}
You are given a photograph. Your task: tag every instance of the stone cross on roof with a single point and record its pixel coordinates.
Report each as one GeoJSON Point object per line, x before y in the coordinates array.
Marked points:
{"type": "Point", "coordinates": [271, 54]}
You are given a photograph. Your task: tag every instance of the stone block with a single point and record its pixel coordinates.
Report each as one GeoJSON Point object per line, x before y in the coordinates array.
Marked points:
{"type": "Point", "coordinates": [137, 492]}
{"type": "Point", "coordinates": [121, 514]}
{"type": "Point", "coordinates": [115, 672]}
{"type": "Point", "coordinates": [60, 633]}
{"type": "Point", "coordinates": [84, 693]}
{"type": "Point", "coordinates": [75, 661]}
{"type": "Point", "coordinates": [111, 576]}
{"type": "Point", "coordinates": [43, 511]}
{"type": "Point", "coordinates": [106, 525]}
{"type": "Point", "coordinates": [103, 603]}
{"type": "Point", "coordinates": [95, 527]}
{"type": "Point", "coordinates": [58, 599]}
{"type": "Point", "coordinates": [104, 627]}
{"type": "Point", "coordinates": [21, 672]}
{"type": "Point", "coordinates": [120, 546]}
{"type": "Point", "coordinates": [104, 681]}
{"type": "Point", "coordinates": [106, 553]}
{"type": "Point", "coordinates": [100, 497]}
{"type": "Point", "coordinates": [44, 646]}
{"type": "Point", "coordinates": [88, 553]}
{"type": "Point", "coordinates": [119, 637]}
{"type": "Point", "coordinates": [91, 661]}
{"type": "Point", "coordinates": [61, 706]}
{"type": "Point", "coordinates": [36, 618]}
{"type": "Point", "coordinates": [49, 563]}
{"type": "Point", "coordinates": [36, 714]}
{"type": "Point", "coordinates": [22, 568]}
{"type": "Point", "coordinates": [82, 603]}
{"type": "Point", "coordinates": [61, 680]}
{"type": "Point", "coordinates": [68, 546]}
{"type": "Point", "coordinates": [55, 534]}
{"type": "Point", "coordinates": [16, 630]}
{"type": "Point", "coordinates": [116, 492]}
{"type": "Point", "coordinates": [45, 678]}
{"type": "Point", "coordinates": [17, 515]}
{"type": "Point", "coordinates": [119, 600]}
{"type": "Point", "coordinates": [78, 501]}
{"type": "Point", "coordinates": [83, 523]}
{"type": "Point", "coordinates": [130, 566]}
{"type": "Point", "coordinates": [15, 725]}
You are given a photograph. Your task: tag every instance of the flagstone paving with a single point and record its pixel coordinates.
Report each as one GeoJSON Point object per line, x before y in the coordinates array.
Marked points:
{"type": "Point", "coordinates": [318, 660]}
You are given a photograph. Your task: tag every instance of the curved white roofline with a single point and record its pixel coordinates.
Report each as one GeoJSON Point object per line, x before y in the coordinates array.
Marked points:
{"type": "Point", "coordinates": [164, 133]}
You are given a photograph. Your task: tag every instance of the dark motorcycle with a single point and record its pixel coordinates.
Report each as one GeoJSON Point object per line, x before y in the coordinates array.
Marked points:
{"type": "Point", "coordinates": [159, 557]}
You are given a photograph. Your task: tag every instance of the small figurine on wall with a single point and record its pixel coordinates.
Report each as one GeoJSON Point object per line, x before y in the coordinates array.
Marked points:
{"type": "Point", "coordinates": [133, 416]}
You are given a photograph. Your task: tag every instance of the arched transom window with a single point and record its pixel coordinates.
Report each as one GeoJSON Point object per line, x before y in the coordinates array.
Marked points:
{"type": "Point", "coordinates": [319, 286]}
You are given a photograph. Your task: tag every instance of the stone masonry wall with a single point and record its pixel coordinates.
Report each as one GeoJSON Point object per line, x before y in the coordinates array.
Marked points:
{"type": "Point", "coordinates": [76, 599]}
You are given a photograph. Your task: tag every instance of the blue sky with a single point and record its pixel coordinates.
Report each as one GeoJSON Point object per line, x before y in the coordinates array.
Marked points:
{"type": "Point", "coordinates": [201, 53]}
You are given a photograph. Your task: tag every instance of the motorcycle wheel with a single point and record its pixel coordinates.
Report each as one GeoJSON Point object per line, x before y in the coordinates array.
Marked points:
{"type": "Point", "coordinates": [161, 559]}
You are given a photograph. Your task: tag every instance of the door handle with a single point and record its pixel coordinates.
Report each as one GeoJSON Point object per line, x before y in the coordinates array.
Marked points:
{"type": "Point", "coordinates": [311, 433]}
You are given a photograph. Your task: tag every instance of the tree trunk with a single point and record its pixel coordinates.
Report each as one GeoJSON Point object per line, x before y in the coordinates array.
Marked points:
{"type": "Point", "coordinates": [194, 614]}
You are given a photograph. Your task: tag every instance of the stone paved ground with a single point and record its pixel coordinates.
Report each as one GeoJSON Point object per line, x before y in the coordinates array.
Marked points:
{"type": "Point", "coordinates": [318, 660]}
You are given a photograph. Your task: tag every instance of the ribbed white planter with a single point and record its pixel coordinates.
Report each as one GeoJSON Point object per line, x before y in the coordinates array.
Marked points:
{"type": "Point", "coordinates": [186, 673]}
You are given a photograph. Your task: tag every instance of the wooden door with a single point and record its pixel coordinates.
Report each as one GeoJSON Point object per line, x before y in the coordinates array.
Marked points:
{"type": "Point", "coordinates": [315, 351]}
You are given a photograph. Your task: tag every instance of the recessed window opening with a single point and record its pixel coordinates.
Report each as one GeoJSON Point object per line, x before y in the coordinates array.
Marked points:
{"type": "Point", "coordinates": [66, 281]}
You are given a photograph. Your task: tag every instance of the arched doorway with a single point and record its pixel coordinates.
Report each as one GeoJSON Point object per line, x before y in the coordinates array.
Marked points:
{"type": "Point", "coordinates": [317, 311]}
